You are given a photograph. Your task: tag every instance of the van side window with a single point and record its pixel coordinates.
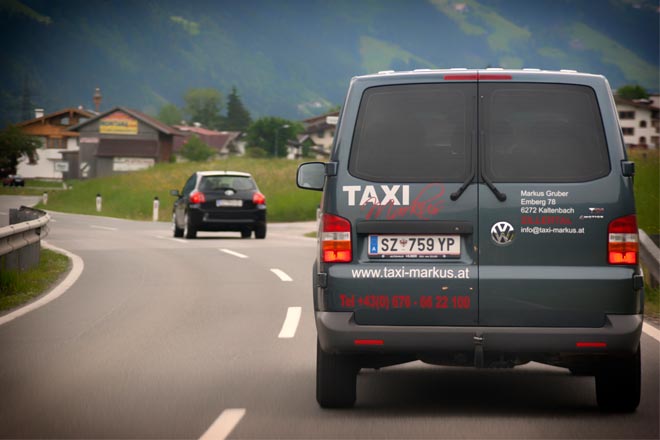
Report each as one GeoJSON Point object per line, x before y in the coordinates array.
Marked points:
{"type": "Point", "coordinates": [414, 133]}
{"type": "Point", "coordinates": [542, 133]}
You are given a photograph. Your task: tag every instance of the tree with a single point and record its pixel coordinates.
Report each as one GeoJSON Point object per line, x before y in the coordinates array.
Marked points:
{"type": "Point", "coordinates": [266, 132]}
{"type": "Point", "coordinates": [238, 117]}
{"type": "Point", "coordinates": [170, 114]}
{"type": "Point", "coordinates": [195, 150]}
{"type": "Point", "coordinates": [204, 106]}
{"type": "Point", "coordinates": [632, 91]}
{"type": "Point", "coordinates": [14, 144]}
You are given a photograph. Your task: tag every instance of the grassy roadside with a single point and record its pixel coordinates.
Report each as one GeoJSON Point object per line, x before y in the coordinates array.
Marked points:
{"type": "Point", "coordinates": [647, 194]}
{"type": "Point", "coordinates": [17, 288]}
{"type": "Point", "coordinates": [131, 195]}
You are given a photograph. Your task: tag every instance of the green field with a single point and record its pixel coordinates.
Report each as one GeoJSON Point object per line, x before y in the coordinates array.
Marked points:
{"type": "Point", "coordinates": [131, 195]}
{"type": "Point", "coordinates": [647, 189]}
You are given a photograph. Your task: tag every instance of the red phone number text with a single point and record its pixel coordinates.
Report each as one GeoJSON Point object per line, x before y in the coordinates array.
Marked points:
{"type": "Point", "coordinates": [387, 302]}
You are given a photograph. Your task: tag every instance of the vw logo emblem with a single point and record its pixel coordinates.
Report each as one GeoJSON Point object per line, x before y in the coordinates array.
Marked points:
{"type": "Point", "coordinates": [230, 192]}
{"type": "Point", "coordinates": [502, 233]}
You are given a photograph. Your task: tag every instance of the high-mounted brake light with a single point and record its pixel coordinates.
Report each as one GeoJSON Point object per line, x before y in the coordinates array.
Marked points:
{"type": "Point", "coordinates": [197, 197]}
{"type": "Point", "coordinates": [477, 77]}
{"type": "Point", "coordinates": [258, 198]}
{"type": "Point", "coordinates": [336, 239]}
{"type": "Point", "coordinates": [623, 241]}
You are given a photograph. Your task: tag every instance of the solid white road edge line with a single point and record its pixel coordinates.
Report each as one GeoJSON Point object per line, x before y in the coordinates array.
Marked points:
{"type": "Point", "coordinates": [105, 228]}
{"type": "Point", "coordinates": [651, 331]}
{"type": "Point", "coordinates": [235, 254]}
{"type": "Point", "coordinates": [224, 424]}
{"type": "Point", "coordinates": [76, 270]}
{"type": "Point", "coordinates": [290, 323]}
{"type": "Point", "coordinates": [282, 275]}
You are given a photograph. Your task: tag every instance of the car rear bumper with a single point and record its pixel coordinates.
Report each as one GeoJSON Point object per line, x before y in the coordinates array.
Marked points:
{"type": "Point", "coordinates": [204, 220]}
{"type": "Point", "coordinates": [338, 333]}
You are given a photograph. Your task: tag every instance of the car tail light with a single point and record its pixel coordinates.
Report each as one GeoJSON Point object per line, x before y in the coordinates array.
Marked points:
{"type": "Point", "coordinates": [623, 241]}
{"type": "Point", "coordinates": [197, 197]}
{"type": "Point", "coordinates": [336, 239]}
{"type": "Point", "coordinates": [258, 199]}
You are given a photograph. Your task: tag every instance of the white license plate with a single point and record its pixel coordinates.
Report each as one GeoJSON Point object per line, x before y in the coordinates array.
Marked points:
{"type": "Point", "coordinates": [232, 203]}
{"type": "Point", "coordinates": [414, 246]}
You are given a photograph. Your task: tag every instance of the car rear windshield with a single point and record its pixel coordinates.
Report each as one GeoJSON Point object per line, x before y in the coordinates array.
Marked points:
{"type": "Point", "coordinates": [221, 183]}
{"type": "Point", "coordinates": [414, 133]}
{"type": "Point", "coordinates": [541, 133]}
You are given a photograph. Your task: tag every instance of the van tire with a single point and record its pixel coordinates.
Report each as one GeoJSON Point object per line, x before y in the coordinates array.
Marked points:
{"type": "Point", "coordinates": [618, 384]}
{"type": "Point", "coordinates": [336, 379]}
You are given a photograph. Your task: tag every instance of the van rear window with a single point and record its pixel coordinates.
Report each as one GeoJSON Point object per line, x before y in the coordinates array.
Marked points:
{"type": "Point", "coordinates": [541, 133]}
{"type": "Point", "coordinates": [414, 133]}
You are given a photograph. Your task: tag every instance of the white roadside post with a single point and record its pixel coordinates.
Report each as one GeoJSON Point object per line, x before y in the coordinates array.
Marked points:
{"type": "Point", "coordinates": [44, 198]}
{"type": "Point", "coordinates": [99, 202]}
{"type": "Point", "coordinates": [156, 206]}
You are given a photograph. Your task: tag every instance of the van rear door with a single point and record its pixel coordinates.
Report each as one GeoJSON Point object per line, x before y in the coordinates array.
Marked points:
{"type": "Point", "coordinates": [414, 248]}
{"type": "Point", "coordinates": [543, 250]}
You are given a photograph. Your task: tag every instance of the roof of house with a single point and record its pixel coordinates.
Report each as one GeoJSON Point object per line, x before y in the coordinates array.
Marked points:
{"type": "Point", "coordinates": [152, 122]}
{"type": "Point", "coordinates": [217, 139]}
{"type": "Point", "coordinates": [646, 104]}
{"type": "Point", "coordinates": [70, 110]}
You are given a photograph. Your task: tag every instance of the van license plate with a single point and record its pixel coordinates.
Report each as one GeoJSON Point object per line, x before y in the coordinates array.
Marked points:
{"type": "Point", "coordinates": [229, 203]}
{"type": "Point", "coordinates": [414, 246]}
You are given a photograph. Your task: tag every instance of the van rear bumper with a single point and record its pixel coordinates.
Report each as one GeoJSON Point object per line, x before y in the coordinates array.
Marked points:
{"type": "Point", "coordinates": [338, 333]}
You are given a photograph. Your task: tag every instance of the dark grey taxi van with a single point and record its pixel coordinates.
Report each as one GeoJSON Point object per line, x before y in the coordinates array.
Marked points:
{"type": "Point", "coordinates": [478, 218]}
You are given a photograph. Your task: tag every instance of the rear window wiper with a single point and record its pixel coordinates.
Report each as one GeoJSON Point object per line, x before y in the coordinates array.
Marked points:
{"type": "Point", "coordinates": [455, 195]}
{"type": "Point", "coordinates": [500, 195]}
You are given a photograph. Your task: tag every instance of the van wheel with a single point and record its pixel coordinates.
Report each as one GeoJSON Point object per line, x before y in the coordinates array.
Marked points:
{"type": "Point", "coordinates": [618, 384]}
{"type": "Point", "coordinates": [336, 377]}
{"type": "Point", "coordinates": [178, 232]}
{"type": "Point", "coordinates": [188, 231]}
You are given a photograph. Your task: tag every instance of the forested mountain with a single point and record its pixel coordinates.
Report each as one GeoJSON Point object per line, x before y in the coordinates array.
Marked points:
{"type": "Point", "coordinates": [294, 58]}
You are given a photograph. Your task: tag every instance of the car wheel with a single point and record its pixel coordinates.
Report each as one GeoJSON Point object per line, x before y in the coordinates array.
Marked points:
{"type": "Point", "coordinates": [188, 230]}
{"type": "Point", "coordinates": [260, 231]}
{"type": "Point", "coordinates": [245, 233]}
{"type": "Point", "coordinates": [618, 384]}
{"type": "Point", "coordinates": [336, 379]}
{"type": "Point", "coordinates": [178, 232]}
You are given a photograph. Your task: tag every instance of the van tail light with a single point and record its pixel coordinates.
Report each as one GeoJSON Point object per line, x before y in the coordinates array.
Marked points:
{"type": "Point", "coordinates": [335, 239]}
{"type": "Point", "coordinates": [258, 198]}
{"type": "Point", "coordinates": [623, 241]}
{"type": "Point", "coordinates": [197, 197]}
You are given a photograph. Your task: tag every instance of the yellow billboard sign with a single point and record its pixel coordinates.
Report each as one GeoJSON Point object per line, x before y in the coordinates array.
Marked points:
{"type": "Point", "coordinates": [118, 123]}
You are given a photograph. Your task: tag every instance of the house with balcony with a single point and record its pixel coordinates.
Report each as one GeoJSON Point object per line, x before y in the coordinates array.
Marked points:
{"type": "Point", "coordinates": [57, 157]}
{"type": "Point", "coordinates": [640, 121]}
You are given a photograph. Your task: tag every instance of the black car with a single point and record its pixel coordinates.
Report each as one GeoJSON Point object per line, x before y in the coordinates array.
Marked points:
{"type": "Point", "coordinates": [219, 201]}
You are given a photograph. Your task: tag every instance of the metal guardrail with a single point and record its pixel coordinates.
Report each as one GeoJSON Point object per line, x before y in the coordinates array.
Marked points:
{"type": "Point", "coordinates": [20, 242]}
{"type": "Point", "coordinates": [650, 256]}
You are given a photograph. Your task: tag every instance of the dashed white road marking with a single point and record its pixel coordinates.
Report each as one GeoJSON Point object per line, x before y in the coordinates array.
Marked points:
{"type": "Point", "coordinates": [224, 424]}
{"type": "Point", "coordinates": [4, 213]}
{"type": "Point", "coordinates": [77, 268]}
{"type": "Point", "coordinates": [282, 275]}
{"type": "Point", "coordinates": [234, 253]}
{"type": "Point", "coordinates": [290, 323]}
{"type": "Point", "coordinates": [105, 228]}
{"type": "Point", "coordinates": [651, 331]}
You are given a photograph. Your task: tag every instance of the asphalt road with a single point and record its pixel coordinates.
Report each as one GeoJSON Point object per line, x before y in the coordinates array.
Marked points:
{"type": "Point", "coordinates": [168, 338]}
